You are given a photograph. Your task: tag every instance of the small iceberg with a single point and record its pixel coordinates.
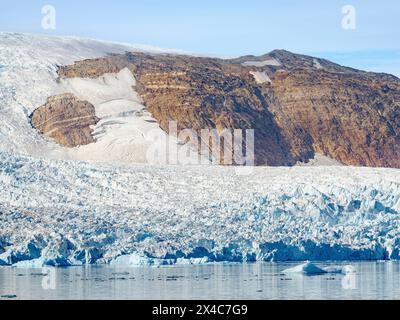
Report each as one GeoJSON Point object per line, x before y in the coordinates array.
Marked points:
{"type": "Point", "coordinates": [309, 268]}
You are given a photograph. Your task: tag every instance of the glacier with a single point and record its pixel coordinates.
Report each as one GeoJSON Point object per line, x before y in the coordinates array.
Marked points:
{"type": "Point", "coordinates": [28, 76]}
{"type": "Point", "coordinates": [63, 213]}
{"type": "Point", "coordinates": [125, 131]}
{"type": "Point", "coordinates": [56, 210]}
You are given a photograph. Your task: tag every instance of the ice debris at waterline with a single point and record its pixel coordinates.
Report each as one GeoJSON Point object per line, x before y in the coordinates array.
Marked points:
{"type": "Point", "coordinates": [63, 213]}
{"type": "Point", "coordinates": [310, 268]}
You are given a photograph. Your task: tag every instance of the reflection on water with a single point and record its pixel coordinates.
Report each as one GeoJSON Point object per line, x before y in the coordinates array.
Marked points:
{"type": "Point", "coordinates": [373, 280]}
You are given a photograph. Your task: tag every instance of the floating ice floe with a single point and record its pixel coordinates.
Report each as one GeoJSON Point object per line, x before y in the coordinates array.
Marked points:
{"type": "Point", "coordinates": [309, 268]}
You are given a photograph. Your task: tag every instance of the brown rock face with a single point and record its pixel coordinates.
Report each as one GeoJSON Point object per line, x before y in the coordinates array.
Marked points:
{"type": "Point", "coordinates": [352, 119]}
{"type": "Point", "coordinates": [201, 93]}
{"type": "Point", "coordinates": [93, 68]}
{"type": "Point", "coordinates": [308, 105]}
{"type": "Point", "coordinates": [66, 119]}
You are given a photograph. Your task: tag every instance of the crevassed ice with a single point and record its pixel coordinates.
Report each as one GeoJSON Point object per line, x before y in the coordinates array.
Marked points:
{"type": "Point", "coordinates": [67, 212]}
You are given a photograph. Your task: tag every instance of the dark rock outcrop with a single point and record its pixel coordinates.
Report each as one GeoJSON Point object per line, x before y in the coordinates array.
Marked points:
{"type": "Point", "coordinates": [66, 119]}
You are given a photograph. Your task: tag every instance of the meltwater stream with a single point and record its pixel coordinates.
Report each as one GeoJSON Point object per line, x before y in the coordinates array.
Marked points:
{"type": "Point", "coordinates": [373, 280]}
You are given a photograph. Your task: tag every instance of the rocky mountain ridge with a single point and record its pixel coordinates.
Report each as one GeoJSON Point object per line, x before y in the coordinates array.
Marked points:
{"type": "Point", "coordinates": [297, 105]}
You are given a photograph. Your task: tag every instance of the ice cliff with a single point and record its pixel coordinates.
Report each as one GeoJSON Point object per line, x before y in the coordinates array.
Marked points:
{"type": "Point", "coordinates": [56, 212]}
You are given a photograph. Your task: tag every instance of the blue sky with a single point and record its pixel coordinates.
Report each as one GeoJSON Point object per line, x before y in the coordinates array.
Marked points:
{"type": "Point", "coordinates": [228, 28]}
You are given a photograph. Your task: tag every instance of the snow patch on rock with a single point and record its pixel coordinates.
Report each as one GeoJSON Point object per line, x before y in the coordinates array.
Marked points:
{"type": "Point", "coordinates": [269, 62]}
{"type": "Point", "coordinates": [320, 160]}
{"type": "Point", "coordinates": [317, 64]}
{"type": "Point", "coordinates": [126, 131]}
{"type": "Point", "coordinates": [307, 268]}
{"type": "Point", "coordinates": [260, 77]}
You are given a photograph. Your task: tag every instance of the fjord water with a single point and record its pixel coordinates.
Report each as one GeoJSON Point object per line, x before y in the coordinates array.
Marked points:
{"type": "Point", "coordinates": [372, 280]}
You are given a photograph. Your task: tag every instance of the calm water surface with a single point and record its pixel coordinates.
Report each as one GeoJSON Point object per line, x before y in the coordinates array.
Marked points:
{"type": "Point", "coordinates": [373, 280]}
